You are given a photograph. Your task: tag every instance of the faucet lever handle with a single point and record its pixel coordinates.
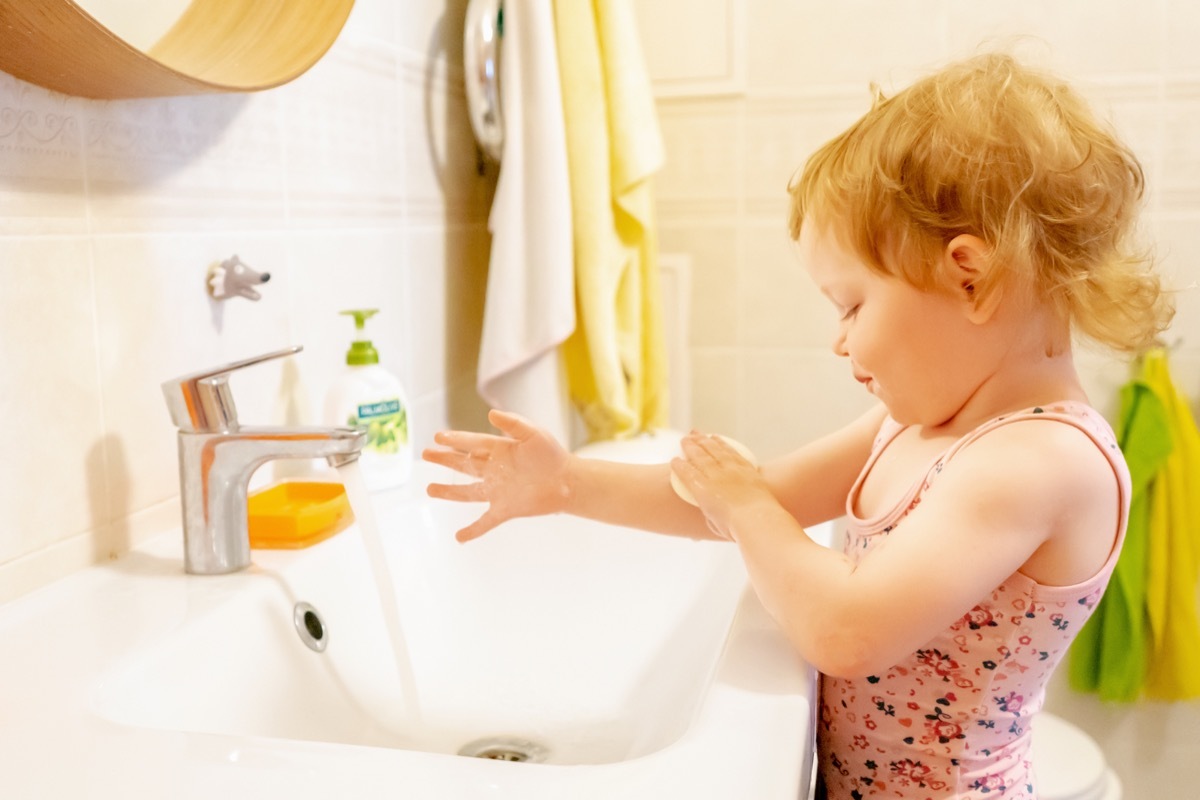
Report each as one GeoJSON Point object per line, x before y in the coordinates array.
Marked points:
{"type": "Point", "coordinates": [203, 402]}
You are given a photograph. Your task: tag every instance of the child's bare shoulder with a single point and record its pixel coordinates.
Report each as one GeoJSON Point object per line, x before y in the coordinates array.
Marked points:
{"type": "Point", "coordinates": [1046, 449]}
{"type": "Point", "coordinates": [1039, 470]}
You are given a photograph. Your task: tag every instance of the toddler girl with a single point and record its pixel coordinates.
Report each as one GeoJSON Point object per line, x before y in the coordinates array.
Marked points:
{"type": "Point", "coordinates": [964, 229]}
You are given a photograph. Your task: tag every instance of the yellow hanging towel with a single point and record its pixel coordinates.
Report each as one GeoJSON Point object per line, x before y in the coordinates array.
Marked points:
{"type": "Point", "coordinates": [616, 359]}
{"type": "Point", "coordinates": [1173, 557]}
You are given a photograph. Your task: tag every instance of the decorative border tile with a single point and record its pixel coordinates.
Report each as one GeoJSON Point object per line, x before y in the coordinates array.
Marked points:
{"type": "Point", "coordinates": [184, 163]}
{"type": "Point", "coordinates": [41, 161]}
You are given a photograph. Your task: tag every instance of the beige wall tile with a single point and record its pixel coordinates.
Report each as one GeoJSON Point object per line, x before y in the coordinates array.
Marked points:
{"type": "Point", "coordinates": [336, 271]}
{"type": "Point", "coordinates": [716, 277]}
{"type": "Point", "coordinates": [1179, 187]}
{"type": "Point", "coordinates": [449, 273]}
{"type": "Point", "coordinates": [705, 153]}
{"type": "Point", "coordinates": [779, 304]}
{"type": "Point", "coordinates": [1183, 20]}
{"type": "Point", "coordinates": [716, 390]}
{"type": "Point", "coordinates": [53, 479]}
{"type": "Point", "coordinates": [809, 43]}
{"type": "Point", "coordinates": [374, 21]}
{"type": "Point", "coordinates": [707, 57]}
{"type": "Point", "coordinates": [432, 31]}
{"type": "Point", "coordinates": [1178, 249]}
{"type": "Point", "coordinates": [1102, 374]}
{"type": "Point", "coordinates": [1077, 37]}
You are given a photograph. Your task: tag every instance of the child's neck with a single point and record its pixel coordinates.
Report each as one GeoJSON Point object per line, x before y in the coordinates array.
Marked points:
{"type": "Point", "coordinates": [1033, 364]}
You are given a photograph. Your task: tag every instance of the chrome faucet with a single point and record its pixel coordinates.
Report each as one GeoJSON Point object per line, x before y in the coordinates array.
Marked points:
{"type": "Point", "coordinates": [217, 457]}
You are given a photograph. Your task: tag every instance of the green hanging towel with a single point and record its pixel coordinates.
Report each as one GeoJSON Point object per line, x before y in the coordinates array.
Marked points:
{"type": "Point", "coordinates": [1109, 655]}
{"type": "Point", "coordinates": [1173, 556]}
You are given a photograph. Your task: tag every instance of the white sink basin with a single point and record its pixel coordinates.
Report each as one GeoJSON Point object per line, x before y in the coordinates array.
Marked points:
{"type": "Point", "coordinates": [597, 643]}
{"type": "Point", "coordinates": [643, 666]}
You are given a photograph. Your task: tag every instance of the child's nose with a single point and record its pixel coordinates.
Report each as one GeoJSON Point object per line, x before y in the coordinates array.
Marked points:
{"type": "Point", "coordinates": [839, 342]}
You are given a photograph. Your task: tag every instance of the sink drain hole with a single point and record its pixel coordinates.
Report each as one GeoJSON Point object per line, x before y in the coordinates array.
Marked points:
{"type": "Point", "coordinates": [505, 748]}
{"type": "Point", "coordinates": [310, 627]}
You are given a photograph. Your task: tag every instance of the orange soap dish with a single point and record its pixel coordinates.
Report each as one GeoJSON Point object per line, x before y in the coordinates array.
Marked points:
{"type": "Point", "coordinates": [296, 514]}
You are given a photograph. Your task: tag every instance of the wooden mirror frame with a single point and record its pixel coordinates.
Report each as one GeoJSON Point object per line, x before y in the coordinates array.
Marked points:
{"type": "Point", "coordinates": [215, 46]}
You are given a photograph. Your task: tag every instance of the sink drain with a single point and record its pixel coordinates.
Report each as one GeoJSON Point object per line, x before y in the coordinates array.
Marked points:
{"type": "Point", "coordinates": [310, 627]}
{"type": "Point", "coordinates": [505, 748]}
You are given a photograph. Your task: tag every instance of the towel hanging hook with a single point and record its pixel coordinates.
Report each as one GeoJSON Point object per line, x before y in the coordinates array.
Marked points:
{"type": "Point", "coordinates": [481, 56]}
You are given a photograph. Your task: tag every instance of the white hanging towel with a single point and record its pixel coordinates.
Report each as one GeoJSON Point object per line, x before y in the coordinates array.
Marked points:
{"type": "Point", "coordinates": [530, 306]}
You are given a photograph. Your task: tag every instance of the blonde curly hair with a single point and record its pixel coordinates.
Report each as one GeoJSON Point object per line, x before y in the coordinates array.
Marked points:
{"type": "Point", "coordinates": [991, 148]}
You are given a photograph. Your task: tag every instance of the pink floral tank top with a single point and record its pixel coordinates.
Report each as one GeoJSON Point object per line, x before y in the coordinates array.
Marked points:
{"type": "Point", "coordinates": [953, 719]}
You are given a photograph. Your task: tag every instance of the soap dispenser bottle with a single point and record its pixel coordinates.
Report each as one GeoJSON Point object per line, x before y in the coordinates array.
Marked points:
{"type": "Point", "coordinates": [368, 397]}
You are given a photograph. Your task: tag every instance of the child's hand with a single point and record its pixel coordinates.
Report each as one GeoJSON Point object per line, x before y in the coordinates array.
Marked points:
{"type": "Point", "coordinates": [523, 473]}
{"type": "Point", "coordinates": [719, 478]}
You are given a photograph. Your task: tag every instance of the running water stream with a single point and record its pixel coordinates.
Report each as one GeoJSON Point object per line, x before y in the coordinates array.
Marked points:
{"type": "Point", "coordinates": [364, 513]}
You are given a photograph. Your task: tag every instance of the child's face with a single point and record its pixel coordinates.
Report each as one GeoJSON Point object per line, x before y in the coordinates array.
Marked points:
{"type": "Point", "coordinates": [910, 347]}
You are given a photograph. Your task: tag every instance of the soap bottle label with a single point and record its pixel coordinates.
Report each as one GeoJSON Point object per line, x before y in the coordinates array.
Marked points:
{"type": "Point", "coordinates": [385, 422]}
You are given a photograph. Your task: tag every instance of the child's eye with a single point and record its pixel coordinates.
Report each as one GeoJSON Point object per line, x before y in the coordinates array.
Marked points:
{"type": "Point", "coordinates": [850, 312]}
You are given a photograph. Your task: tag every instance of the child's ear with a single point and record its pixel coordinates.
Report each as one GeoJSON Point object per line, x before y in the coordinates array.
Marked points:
{"type": "Point", "coordinates": [964, 262]}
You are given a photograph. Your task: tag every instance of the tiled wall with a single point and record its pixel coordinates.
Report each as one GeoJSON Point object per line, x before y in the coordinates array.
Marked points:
{"type": "Point", "coordinates": [748, 90]}
{"type": "Point", "coordinates": [354, 186]}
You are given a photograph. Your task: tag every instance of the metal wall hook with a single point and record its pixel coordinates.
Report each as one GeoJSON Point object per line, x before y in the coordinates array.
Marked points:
{"type": "Point", "coordinates": [481, 59]}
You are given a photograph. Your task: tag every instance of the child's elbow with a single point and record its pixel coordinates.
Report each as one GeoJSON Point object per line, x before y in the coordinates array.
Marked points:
{"type": "Point", "coordinates": [843, 662]}
{"type": "Point", "coordinates": [847, 651]}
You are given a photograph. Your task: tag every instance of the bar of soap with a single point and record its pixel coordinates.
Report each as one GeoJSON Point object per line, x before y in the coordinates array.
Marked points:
{"type": "Point", "coordinates": [685, 494]}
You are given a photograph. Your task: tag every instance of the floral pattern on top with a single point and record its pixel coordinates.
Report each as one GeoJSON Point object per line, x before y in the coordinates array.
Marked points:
{"type": "Point", "coordinates": [953, 719]}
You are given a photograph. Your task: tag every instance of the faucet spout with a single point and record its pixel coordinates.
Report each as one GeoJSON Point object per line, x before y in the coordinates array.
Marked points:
{"type": "Point", "coordinates": [338, 460]}
{"type": "Point", "coordinates": [215, 470]}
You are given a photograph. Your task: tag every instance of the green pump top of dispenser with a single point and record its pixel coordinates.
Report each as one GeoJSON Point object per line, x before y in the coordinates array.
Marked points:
{"type": "Point", "coordinates": [361, 350]}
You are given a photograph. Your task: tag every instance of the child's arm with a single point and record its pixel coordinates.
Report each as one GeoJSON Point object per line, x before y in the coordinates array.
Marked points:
{"type": "Point", "coordinates": [1000, 501]}
{"type": "Point", "coordinates": [525, 472]}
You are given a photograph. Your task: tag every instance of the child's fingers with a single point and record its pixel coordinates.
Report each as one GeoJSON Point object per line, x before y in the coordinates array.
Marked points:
{"type": "Point", "coordinates": [470, 440]}
{"type": "Point", "coordinates": [697, 449]}
{"type": "Point", "coordinates": [458, 492]}
{"type": "Point", "coordinates": [473, 463]}
{"type": "Point", "coordinates": [479, 527]}
{"type": "Point", "coordinates": [684, 469]}
{"type": "Point", "coordinates": [462, 440]}
{"type": "Point", "coordinates": [445, 458]}
{"type": "Point", "coordinates": [720, 448]}
{"type": "Point", "coordinates": [513, 425]}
